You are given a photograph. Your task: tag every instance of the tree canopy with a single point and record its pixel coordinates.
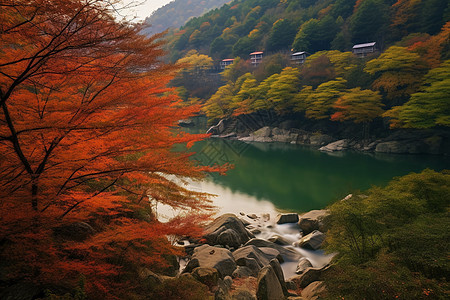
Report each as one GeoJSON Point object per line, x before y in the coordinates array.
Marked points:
{"type": "Point", "coordinates": [87, 127]}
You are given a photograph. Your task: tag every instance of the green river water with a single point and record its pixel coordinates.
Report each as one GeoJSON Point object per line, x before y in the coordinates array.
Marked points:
{"type": "Point", "coordinates": [278, 177]}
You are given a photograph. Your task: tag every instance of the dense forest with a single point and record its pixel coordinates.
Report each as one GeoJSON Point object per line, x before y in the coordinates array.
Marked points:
{"type": "Point", "coordinates": [176, 13]}
{"type": "Point", "coordinates": [405, 79]}
{"type": "Point", "coordinates": [243, 26]}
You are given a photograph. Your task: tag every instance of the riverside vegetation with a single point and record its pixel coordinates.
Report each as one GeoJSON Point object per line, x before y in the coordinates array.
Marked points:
{"type": "Point", "coordinates": [403, 85]}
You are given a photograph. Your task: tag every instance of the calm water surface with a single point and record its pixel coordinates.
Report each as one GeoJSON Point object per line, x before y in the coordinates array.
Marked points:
{"type": "Point", "coordinates": [269, 177]}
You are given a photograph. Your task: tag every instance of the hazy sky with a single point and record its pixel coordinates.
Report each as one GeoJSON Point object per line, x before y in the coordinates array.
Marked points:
{"type": "Point", "coordinates": [144, 7]}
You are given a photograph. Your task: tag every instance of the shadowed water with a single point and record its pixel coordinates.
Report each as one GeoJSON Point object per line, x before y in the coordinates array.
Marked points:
{"type": "Point", "coordinates": [298, 178]}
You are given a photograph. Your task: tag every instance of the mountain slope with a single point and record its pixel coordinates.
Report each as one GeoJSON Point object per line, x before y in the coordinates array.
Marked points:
{"type": "Point", "coordinates": [243, 26]}
{"type": "Point", "coordinates": [176, 13]}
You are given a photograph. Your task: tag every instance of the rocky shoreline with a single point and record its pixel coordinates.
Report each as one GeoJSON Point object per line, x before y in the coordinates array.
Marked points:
{"type": "Point", "coordinates": [399, 142]}
{"type": "Point", "coordinates": [248, 256]}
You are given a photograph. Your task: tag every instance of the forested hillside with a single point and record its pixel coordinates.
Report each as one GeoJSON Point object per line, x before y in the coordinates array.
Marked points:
{"type": "Point", "coordinates": [243, 26]}
{"type": "Point", "coordinates": [405, 80]}
{"type": "Point", "coordinates": [176, 13]}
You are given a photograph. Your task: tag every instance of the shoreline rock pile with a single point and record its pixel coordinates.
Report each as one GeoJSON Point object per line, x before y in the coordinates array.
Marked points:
{"type": "Point", "coordinates": [399, 142]}
{"type": "Point", "coordinates": [236, 264]}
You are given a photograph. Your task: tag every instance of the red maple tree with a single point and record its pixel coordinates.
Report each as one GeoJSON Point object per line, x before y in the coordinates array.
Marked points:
{"type": "Point", "coordinates": [87, 129]}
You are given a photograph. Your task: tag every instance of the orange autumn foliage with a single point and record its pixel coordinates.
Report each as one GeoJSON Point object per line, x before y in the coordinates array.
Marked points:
{"type": "Point", "coordinates": [87, 128]}
{"type": "Point", "coordinates": [431, 49]}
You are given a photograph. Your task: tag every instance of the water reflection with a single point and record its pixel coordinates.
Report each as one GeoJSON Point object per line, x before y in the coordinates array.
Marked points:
{"type": "Point", "coordinates": [298, 178]}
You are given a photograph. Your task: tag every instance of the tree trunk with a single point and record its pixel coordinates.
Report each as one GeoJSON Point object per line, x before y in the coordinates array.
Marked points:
{"type": "Point", "coordinates": [34, 192]}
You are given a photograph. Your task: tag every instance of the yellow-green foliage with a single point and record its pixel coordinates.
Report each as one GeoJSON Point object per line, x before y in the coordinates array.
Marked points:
{"type": "Point", "coordinates": [430, 106]}
{"type": "Point", "coordinates": [393, 240]}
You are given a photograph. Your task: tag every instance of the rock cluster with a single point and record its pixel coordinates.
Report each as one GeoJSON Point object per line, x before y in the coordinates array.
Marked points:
{"type": "Point", "coordinates": [399, 142]}
{"type": "Point", "coordinates": [233, 255]}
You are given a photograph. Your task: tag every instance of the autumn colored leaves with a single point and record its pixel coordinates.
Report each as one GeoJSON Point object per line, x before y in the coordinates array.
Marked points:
{"type": "Point", "coordinates": [87, 126]}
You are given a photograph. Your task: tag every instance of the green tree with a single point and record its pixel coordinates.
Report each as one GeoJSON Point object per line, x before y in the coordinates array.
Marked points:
{"type": "Point", "coordinates": [315, 35]}
{"type": "Point", "coordinates": [390, 241]}
{"type": "Point", "coordinates": [283, 90]}
{"type": "Point", "coordinates": [428, 108]}
{"type": "Point", "coordinates": [369, 22]}
{"type": "Point", "coordinates": [358, 106]}
{"type": "Point", "coordinates": [320, 101]}
{"type": "Point", "coordinates": [281, 35]}
{"type": "Point", "coordinates": [399, 72]}
{"type": "Point", "coordinates": [219, 105]}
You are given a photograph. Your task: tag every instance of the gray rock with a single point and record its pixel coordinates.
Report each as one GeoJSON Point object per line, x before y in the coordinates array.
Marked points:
{"type": "Point", "coordinates": [311, 241]}
{"type": "Point", "coordinates": [336, 146]}
{"type": "Point", "coordinates": [286, 253]}
{"type": "Point", "coordinates": [302, 265]}
{"type": "Point", "coordinates": [320, 139]}
{"type": "Point", "coordinates": [227, 223]}
{"type": "Point", "coordinates": [263, 132]}
{"type": "Point", "coordinates": [244, 272]}
{"type": "Point", "coordinates": [243, 254]}
{"type": "Point", "coordinates": [313, 291]}
{"type": "Point", "coordinates": [212, 257]}
{"type": "Point", "coordinates": [207, 276]}
{"type": "Point", "coordinates": [279, 239]}
{"type": "Point", "coordinates": [149, 277]}
{"type": "Point", "coordinates": [252, 216]}
{"type": "Point", "coordinates": [287, 218]}
{"type": "Point", "coordinates": [272, 253]}
{"type": "Point", "coordinates": [275, 264]}
{"type": "Point", "coordinates": [309, 276]}
{"type": "Point", "coordinates": [243, 294]}
{"type": "Point", "coordinates": [268, 285]}
{"type": "Point", "coordinates": [411, 147]}
{"type": "Point", "coordinates": [312, 220]}
{"type": "Point", "coordinates": [229, 237]}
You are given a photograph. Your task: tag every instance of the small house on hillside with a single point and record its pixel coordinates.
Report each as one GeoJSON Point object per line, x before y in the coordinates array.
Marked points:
{"type": "Point", "coordinates": [361, 50]}
{"type": "Point", "coordinates": [256, 58]}
{"type": "Point", "coordinates": [226, 62]}
{"type": "Point", "coordinates": [299, 57]}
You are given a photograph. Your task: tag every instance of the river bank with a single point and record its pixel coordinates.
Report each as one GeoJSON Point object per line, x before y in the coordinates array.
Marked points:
{"type": "Point", "coordinates": [259, 256]}
{"type": "Point", "coordinates": [435, 142]}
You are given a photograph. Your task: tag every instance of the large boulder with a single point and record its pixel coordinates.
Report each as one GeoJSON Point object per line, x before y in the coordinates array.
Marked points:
{"type": "Point", "coordinates": [275, 264]}
{"type": "Point", "coordinates": [242, 255]}
{"type": "Point", "coordinates": [272, 253]}
{"type": "Point", "coordinates": [313, 291]}
{"type": "Point", "coordinates": [207, 276]}
{"type": "Point", "coordinates": [244, 272]}
{"type": "Point", "coordinates": [268, 285]}
{"type": "Point", "coordinates": [282, 135]}
{"type": "Point", "coordinates": [320, 139]}
{"type": "Point", "coordinates": [263, 132]}
{"type": "Point", "coordinates": [312, 241]}
{"type": "Point", "coordinates": [287, 253]}
{"type": "Point", "coordinates": [411, 147]}
{"type": "Point", "coordinates": [336, 146]}
{"type": "Point", "coordinates": [212, 257]}
{"type": "Point", "coordinates": [227, 230]}
{"type": "Point", "coordinates": [309, 276]}
{"type": "Point", "coordinates": [287, 218]}
{"type": "Point", "coordinates": [302, 265]}
{"type": "Point", "coordinates": [279, 239]}
{"type": "Point", "coordinates": [312, 220]}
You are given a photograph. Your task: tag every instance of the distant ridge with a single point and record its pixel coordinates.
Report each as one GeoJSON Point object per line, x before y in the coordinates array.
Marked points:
{"type": "Point", "coordinates": [176, 13]}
